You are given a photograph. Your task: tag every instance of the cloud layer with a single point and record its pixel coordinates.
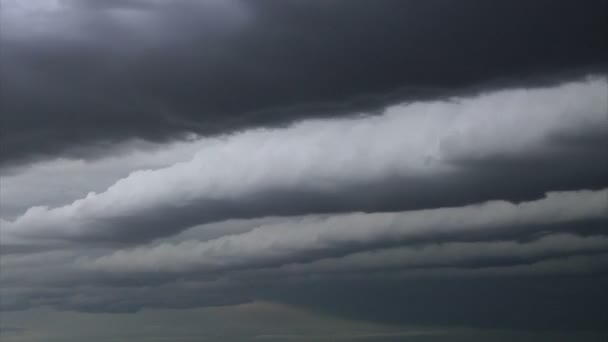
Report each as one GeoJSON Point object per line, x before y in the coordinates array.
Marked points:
{"type": "Point", "coordinates": [392, 162]}
{"type": "Point", "coordinates": [426, 153]}
{"type": "Point", "coordinates": [314, 237]}
{"type": "Point", "coordinates": [506, 185]}
{"type": "Point", "coordinates": [106, 72]}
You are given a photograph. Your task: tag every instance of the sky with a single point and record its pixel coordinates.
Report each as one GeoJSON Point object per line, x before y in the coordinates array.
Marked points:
{"type": "Point", "coordinates": [339, 170]}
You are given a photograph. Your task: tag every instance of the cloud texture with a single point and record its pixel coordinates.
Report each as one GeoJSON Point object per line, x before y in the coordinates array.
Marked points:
{"type": "Point", "coordinates": [421, 164]}
{"type": "Point", "coordinates": [325, 166]}
{"type": "Point", "coordinates": [401, 163]}
{"type": "Point", "coordinates": [103, 72]}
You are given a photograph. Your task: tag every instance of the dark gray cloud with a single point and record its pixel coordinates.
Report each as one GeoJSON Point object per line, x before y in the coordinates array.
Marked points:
{"type": "Point", "coordinates": [82, 74]}
{"type": "Point", "coordinates": [397, 162]}
{"type": "Point", "coordinates": [417, 267]}
{"type": "Point", "coordinates": [546, 303]}
{"type": "Point", "coordinates": [315, 237]}
{"type": "Point", "coordinates": [418, 155]}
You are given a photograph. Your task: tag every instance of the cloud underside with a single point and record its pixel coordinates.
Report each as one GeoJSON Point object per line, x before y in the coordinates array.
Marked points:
{"type": "Point", "coordinates": [390, 163]}
{"type": "Point", "coordinates": [510, 145]}
{"type": "Point", "coordinates": [426, 202]}
{"type": "Point", "coordinates": [104, 72]}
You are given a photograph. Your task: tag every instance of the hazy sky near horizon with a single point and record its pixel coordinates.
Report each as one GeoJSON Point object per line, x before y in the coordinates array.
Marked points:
{"type": "Point", "coordinates": [303, 170]}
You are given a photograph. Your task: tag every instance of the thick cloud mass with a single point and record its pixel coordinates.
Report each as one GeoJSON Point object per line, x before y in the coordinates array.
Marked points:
{"type": "Point", "coordinates": [320, 166]}
{"type": "Point", "coordinates": [336, 234]}
{"type": "Point", "coordinates": [429, 164]}
{"type": "Point", "coordinates": [106, 71]}
{"type": "Point", "coordinates": [506, 184]}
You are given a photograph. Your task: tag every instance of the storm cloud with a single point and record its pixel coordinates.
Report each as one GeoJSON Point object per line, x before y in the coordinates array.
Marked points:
{"type": "Point", "coordinates": [320, 166]}
{"type": "Point", "coordinates": [103, 72]}
{"type": "Point", "coordinates": [412, 166]}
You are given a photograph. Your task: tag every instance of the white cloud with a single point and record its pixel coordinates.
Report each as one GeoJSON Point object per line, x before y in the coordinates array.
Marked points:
{"type": "Point", "coordinates": [424, 140]}
{"type": "Point", "coordinates": [61, 181]}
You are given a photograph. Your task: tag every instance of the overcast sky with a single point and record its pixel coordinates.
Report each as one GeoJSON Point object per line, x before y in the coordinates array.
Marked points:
{"type": "Point", "coordinates": [355, 170]}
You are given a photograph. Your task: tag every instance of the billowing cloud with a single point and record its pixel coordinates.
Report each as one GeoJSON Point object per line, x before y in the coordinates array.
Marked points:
{"type": "Point", "coordinates": [539, 238]}
{"type": "Point", "coordinates": [395, 162]}
{"type": "Point", "coordinates": [103, 72]}
{"type": "Point", "coordinates": [313, 237]}
{"type": "Point", "coordinates": [61, 181]}
{"type": "Point", "coordinates": [426, 153]}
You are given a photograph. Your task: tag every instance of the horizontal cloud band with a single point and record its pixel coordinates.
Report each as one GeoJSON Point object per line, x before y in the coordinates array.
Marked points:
{"type": "Point", "coordinates": [313, 237]}
{"type": "Point", "coordinates": [411, 154]}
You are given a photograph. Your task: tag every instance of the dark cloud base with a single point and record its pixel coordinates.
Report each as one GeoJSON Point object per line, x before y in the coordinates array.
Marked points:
{"type": "Point", "coordinates": [288, 61]}
{"type": "Point", "coordinates": [458, 223]}
{"type": "Point", "coordinates": [544, 303]}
